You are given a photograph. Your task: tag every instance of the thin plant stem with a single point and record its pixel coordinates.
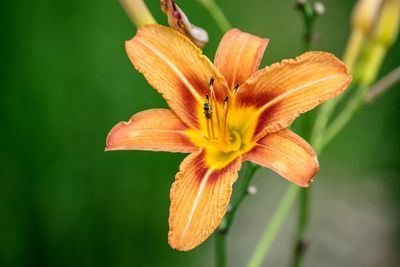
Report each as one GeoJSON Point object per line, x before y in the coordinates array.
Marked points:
{"type": "Point", "coordinates": [220, 249]}
{"type": "Point", "coordinates": [309, 17]}
{"type": "Point", "coordinates": [321, 121]}
{"type": "Point", "coordinates": [302, 225]}
{"type": "Point", "coordinates": [243, 192]}
{"type": "Point", "coordinates": [345, 116]}
{"type": "Point", "coordinates": [246, 174]}
{"type": "Point", "coordinates": [323, 117]}
{"type": "Point", "coordinates": [383, 85]}
{"type": "Point", "coordinates": [216, 13]}
{"type": "Point", "coordinates": [275, 224]}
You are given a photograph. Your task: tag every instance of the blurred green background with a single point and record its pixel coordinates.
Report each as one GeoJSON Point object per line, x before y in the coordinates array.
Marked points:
{"type": "Point", "coordinates": [66, 80]}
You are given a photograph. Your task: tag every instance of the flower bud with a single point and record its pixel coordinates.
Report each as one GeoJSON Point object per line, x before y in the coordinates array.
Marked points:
{"type": "Point", "coordinates": [365, 13]}
{"type": "Point", "coordinates": [252, 190]}
{"type": "Point", "coordinates": [179, 21]}
{"type": "Point", "coordinates": [388, 24]}
{"type": "Point", "coordinates": [363, 20]}
{"type": "Point", "coordinates": [384, 36]}
{"type": "Point", "coordinates": [319, 8]}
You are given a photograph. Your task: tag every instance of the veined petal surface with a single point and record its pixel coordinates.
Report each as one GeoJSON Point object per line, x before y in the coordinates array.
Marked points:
{"type": "Point", "coordinates": [239, 55]}
{"type": "Point", "coordinates": [287, 154]}
{"type": "Point", "coordinates": [176, 68]}
{"type": "Point", "coordinates": [284, 90]}
{"type": "Point", "coordinates": [199, 199]}
{"type": "Point", "coordinates": [153, 129]}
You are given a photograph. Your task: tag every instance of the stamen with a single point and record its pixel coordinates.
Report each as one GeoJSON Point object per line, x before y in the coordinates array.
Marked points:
{"type": "Point", "coordinates": [208, 128]}
{"type": "Point", "coordinates": [235, 89]}
{"type": "Point", "coordinates": [207, 108]}
{"type": "Point", "coordinates": [214, 104]}
{"type": "Point", "coordinates": [226, 101]}
{"type": "Point", "coordinates": [211, 81]}
{"type": "Point", "coordinates": [226, 109]}
{"type": "Point", "coordinates": [208, 115]}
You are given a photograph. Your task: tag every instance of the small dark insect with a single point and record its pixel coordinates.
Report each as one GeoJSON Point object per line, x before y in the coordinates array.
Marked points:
{"type": "Point", "coordinates": [207, 108]}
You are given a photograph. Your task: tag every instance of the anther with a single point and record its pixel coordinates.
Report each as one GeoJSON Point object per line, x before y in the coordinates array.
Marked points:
{"type": "Point", "coordinates": [226, 101]}
{"type": "Point", "coordinates": [235, 89]}
{"type": "Point", "coordinates": [211, 81]}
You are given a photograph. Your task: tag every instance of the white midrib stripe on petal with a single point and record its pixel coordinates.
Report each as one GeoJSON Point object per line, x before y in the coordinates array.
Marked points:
{"type": "Point", "coordinates": [196, 202]}
{"type": "Point", "coordinates": [242, 45]}
{"type": "Point", "coordinates": [295, 90]}
{"type": "Point", "coordinates": [175, 69]}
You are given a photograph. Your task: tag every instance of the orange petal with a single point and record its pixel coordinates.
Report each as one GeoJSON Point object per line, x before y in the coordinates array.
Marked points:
{"type": "Point", "coordinates": [153, 129]}
{"type": "Point", "coordinates": [284, 90]}
{"type": "Point", "coordinates": [176, 68]}
{"type": "Point", "coordinates": [199, 199]}
{"type": "Point", "coordinates": [287, 154]}
{"type": "Point", "coordinates": [238, 56]}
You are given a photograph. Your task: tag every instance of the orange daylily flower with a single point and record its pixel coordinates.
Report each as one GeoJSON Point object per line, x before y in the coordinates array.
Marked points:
{"type": "Point", "coordinates": [223, 113]}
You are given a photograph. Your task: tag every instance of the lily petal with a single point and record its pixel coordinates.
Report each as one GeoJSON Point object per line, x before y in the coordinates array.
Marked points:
{"type": "Point", "coordinates": [176, 68]}
{"type": "Point", "coordinates": [239, 55]}
{"type": "Point", "coordinates": [153, 129]}
{"type": "Point", "coordinates": [287, 154]}
{"type": "Point", "coordinates": [284, 90]}
{"type": "Point", "coordinates": [199, 199]}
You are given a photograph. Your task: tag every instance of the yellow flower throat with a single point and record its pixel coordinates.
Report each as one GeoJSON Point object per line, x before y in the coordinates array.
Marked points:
{"type": "Point", "coordinates": [223, 139]}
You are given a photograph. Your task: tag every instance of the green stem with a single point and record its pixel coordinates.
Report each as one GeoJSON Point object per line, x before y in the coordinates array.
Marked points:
{"type": "Point", "coordinates": [345, 116]}
{"type": "Point", "coordinates": [217, 14]}
{"type": "Point", "coordinates": [323, 117]}
{"type": "Point", "coordinates": [383, 85]}
{"type": "Point", "coordinates": [220, 249]}
{"type": "Point", "coordinates": [246, 174]}
{"type": "Point", "coordinates": [303, 222]}
{"type": "Point", "coordinates": [309, 17]}
{"type": "Point", "coordinates": [308, 20]}
{"type": "Point", "coordinates": [321, 121]}
{"type": "Point", "coordinates": [275, 224]}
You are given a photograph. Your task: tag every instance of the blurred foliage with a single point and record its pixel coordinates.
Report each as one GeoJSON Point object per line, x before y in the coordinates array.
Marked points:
{"type": "Point", "coordinates": [65, 81]}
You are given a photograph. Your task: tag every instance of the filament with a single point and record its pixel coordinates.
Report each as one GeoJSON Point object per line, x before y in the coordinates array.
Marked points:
{"type": "Point", "coordinates": [226, 108]}
{"type": "Point", "coordinates": [214, 103]}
